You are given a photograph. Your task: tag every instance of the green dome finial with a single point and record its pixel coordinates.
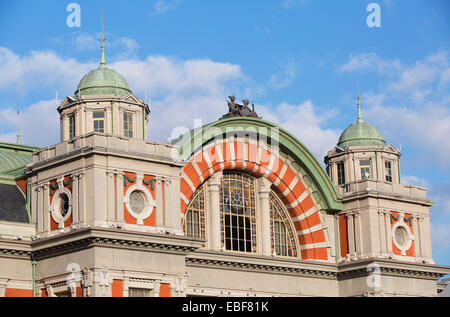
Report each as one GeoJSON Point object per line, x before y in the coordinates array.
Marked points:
{"type": "Point", "coordinates": [359, 104]}
{"type": "Point", "coordinates": [103, 80]}
{"type": "Point", "coordinates": [102, 58]}
{"type": "Point", "coordinates": [360, 133]}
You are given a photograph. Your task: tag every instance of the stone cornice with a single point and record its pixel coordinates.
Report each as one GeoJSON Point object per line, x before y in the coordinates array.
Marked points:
{"type": "Point", "coordinates": [342, 271]}
{"type": "Point", "coordinates": [81, 239]}
{"type": "Point", "coordinates": [264, 264]}
{"type": "Point", "coordinates": [385, 195]}
{"type": "Point", "coordinates": [390, 267]}
{"type": "Point", "coordinates": [16, 249]}
{"type": "Point", "coordinates": [90, 150]}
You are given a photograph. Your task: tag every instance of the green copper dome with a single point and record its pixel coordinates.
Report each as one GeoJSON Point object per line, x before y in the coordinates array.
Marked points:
{"type": "Point", "coordinates": [103, 81]}
{"type": "Point", "coordinates": [361, 133]}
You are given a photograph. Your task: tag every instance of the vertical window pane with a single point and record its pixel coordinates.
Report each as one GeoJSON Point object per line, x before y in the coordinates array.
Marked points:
{"type": "Point", "coordinates": [341, 173]}
{"type": "Point", "coordinates": [388, 168]}
{"type": "Point", "coordinates": [71, 126]}
{"type": "Point", "coordinates": [365, 169]}
{"type": "Point", "coordinates": [99, 119]}
{"type": "Point", "coordinates": [128, 124]}
{"type": "Point", "coordinates": [237, 209]}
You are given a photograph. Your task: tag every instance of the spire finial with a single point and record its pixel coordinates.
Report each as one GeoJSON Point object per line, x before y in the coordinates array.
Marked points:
{"type": "Point", "coordinates": [359, 104]}
{"type": "Point", "coordinates": [18, 124]}
{"type": "Point", "coordinates": [102, 58]}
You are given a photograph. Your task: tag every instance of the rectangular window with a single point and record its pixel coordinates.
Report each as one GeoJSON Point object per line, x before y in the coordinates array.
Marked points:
{"type": "Point", "coordinates": [388, 168]}
{"type": "Point", "coordinates": [364, 166]}
{"type": "Point", "coordinates": [71, 126]}
{"type": "Point", "coordinates": [139, 292]}
{"type": "Point", "coordinates": [99, 121]}
{"type": "Point", "coordinates": [128, 124]}
{"type": "Point", "coordinates": [340, 173]}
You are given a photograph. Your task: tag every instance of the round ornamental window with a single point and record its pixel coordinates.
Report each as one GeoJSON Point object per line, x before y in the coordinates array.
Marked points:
{"type": "Point", "coordinates": [236, 197]}
{"type": "Point", "coordinates": [63, 204]}
{"type": "Point", "coordinates": [138, 201]}
{"type": "Point", "coordinates": [401, 236]}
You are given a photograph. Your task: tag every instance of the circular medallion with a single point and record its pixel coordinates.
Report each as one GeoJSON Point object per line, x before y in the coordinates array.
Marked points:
{"type": "Point", "coordinates": [138, 201]}
{"type": "Point", "coordinates": [401, 236]}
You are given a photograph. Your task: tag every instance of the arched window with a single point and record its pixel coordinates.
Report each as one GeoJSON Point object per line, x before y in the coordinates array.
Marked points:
{"type": "Point", "coordinates": [194, 218]}
{"type": "Point", "coordinates": [238, 210]}
{"type": "Point", "coordinates": [283, 242]}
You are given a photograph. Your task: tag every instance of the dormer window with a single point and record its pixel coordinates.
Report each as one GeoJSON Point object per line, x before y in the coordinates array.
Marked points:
{"type": "Point", "coordinates": [364, 166]}
{"type": "Point", "coordinates": [99, 121]}
{"type": "Point", "coordinates": [388, 169]}
{"type": "Point", "coordinates": [128, 124]}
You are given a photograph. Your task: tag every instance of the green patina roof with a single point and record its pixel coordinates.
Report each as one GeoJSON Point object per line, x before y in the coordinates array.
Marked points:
{"type": "Point", "coordinates": [361, 133]}
{"type": "Point", "coordinates": [14, 159]}
{"type": "Point", "coordinates": [103, 81]}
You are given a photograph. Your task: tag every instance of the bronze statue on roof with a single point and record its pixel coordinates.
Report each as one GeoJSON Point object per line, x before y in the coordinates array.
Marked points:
{"type": "Point", "coordinates": [237, 110]}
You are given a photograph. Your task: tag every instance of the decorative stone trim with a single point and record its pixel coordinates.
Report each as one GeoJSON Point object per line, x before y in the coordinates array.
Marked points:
{"type": "Point", "coordinates": [170, 246]}
{"type": "Point", "coordinates": [245, 266]}
{"type": "Point", "coordinates": [150, 202]}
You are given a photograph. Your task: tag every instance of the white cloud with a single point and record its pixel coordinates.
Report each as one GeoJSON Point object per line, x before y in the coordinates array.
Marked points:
{"type": "Point", "coordinates": [440, 237]}
{"type": "Point", "coordinates": [304, 122]}
{"type": "Point", "coordinates": [162, 6]}
{"type": "Point", "coordinates": [370, 62]}
{"type": "Point", "coordinates": [412, 105]}
{"type": "Point", "coordinates": [39, 124]}
{"type": "Point", "coordinates": [181, 92]}
{"type": "Point", "coordinates": [39, 69]}
{"type": "Point", "coordinates": [425, 129]}
{"type": "Point", "coordinates": [414, 180]}
{"type": "Point", "coordinates": [285, 77]}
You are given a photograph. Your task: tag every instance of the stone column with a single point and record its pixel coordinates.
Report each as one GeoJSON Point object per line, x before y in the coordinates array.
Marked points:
{"type": "Point", "coordinates": [350, 233]}
{"type": "Point", "coordinates": [119, 197]}
{"type": "Point", "coordinates": [75, 215]}
{"type": "Point", "coordinates": [416, 235]}
{"type": "Point", "coordinates": [111, 205]}
{"type": "Point", "coordinates": [172, 214]}
{"type": "Point", "coordinates": [264, 205]}
{"type": "Point", "coordinates": [382, 230]}
{"type": "Point", "coordinates": [46, 206]}
{"type": "Point", "coordinates": [81, 197]}
{"type": "Point", "coordinates": [358, 236]}
{"type": "Point", "coordinates": [39, 208]}
{"type": "Point", "coordinates": [160, 201]}
{"type": "Point", "coordinates": [388, 232]}
{"type": "Point", "coordinates": [214, 210]}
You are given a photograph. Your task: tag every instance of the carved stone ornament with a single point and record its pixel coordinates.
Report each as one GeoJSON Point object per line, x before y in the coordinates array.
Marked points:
{"type": "Point", "coordinates": [237, 110]}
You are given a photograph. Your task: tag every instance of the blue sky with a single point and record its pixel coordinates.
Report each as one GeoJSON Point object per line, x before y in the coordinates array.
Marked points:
{"type": "Point", "coordinates": [294, 59]}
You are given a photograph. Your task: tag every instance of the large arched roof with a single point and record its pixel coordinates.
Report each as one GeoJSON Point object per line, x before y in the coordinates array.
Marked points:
{"type": "Point", "coordinates": [300, 156]}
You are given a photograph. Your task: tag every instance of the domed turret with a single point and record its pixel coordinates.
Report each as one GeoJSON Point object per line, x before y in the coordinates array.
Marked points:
{"type": "Point", "coordinates": [105, 104]}
{"type": "Point", "coordinates": [103, 81]}
{"type": "Point", "coordinates": [361, 133]}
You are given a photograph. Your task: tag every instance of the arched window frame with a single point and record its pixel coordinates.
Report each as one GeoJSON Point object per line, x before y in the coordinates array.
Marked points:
{"type": "Point", "coordinates": [201, 193]}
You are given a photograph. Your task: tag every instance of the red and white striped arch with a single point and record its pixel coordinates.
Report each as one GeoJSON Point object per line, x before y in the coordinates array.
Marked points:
{"type": "Point", "coordinates": [260, 160]}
